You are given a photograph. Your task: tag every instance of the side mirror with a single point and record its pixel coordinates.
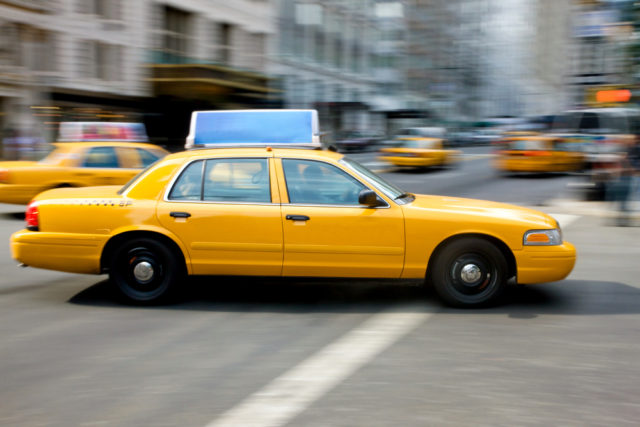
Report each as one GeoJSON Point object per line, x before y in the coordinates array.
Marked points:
{"type": "Point", "coordinates": [369, 198]}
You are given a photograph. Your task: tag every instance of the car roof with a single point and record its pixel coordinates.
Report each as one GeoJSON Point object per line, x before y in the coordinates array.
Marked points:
{"type": "Point", "coordinates": [305, 153]}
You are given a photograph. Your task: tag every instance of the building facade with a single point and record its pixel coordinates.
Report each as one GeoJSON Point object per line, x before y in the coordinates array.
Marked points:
{"type": "Point", "coordinates": [130, 60]}
{"type": "Point", "coordinates": [342, 58]}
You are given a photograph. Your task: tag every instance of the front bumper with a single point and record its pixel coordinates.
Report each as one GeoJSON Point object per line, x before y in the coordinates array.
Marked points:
{"type": "Point", "coordinates": [414, 161]}
{"type": "Point", "coordinates": [74, 253]}
{"type": "Point", "coordinates": [539, 264]}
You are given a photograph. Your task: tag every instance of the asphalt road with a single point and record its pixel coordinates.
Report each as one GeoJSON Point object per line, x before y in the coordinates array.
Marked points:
{"type": "Point", "coordinates": [331, 353]}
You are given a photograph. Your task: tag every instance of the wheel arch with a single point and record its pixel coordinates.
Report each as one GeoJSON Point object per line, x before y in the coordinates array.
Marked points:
{"type": "Point", "coordinates": [504, 249]}
{"type": "Point", "coordinates": [113, 242]}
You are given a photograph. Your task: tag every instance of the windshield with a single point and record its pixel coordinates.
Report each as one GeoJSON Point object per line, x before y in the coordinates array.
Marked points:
{"type": "Point", "coordinates": [387, 188]}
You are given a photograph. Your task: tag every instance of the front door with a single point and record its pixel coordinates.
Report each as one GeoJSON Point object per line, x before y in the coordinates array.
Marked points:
{"type": "Point", "coordinates": [328, 233]}
{"type": "Point", "coordinates": [223, 212]}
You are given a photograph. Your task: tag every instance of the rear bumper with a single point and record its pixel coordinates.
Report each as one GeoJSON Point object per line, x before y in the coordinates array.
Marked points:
{"type": "Point", "coordinates": [539, 264]}
{"type": "Point", "coordinates": [17, 194]}
{"type": "Point", "coordinates": [535, 165]}
{"type": "Point", "coordinates": [74, 253]}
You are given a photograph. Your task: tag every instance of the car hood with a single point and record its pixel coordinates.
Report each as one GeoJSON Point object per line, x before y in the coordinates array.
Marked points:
{"type": "Point", "coordinates": [482, 210]}
{"type": "Point", "coordinates": [94, 193]}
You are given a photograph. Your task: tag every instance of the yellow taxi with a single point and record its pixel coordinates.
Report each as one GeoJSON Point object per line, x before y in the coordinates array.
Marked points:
{"type": "Point", "coordinates": [538, 153]}
{"type": "Point", "coordinates": [75, 164]}
{"type": "Point", "coordinates": [419, 148]}
{"type": "Point", "coordinates": [273, 210]}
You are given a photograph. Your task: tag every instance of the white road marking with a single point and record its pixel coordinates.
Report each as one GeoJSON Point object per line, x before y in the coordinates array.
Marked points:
{"type": "Point", "coordinates": [292, 392]}
{"type": "Point", "coordinates": [565, 219]}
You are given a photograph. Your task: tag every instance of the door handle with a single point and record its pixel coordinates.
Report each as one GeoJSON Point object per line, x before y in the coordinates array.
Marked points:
{"type": "Point", "coordinates": [180, 214]}
{"type": "Point", "coordinates": [297, 217]}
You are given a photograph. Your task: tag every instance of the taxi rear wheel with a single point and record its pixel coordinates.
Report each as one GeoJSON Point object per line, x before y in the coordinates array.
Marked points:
{"type": "Point", "coordinates": [470, 272]}
{"type": "Point", "coordinates": [144, 270]}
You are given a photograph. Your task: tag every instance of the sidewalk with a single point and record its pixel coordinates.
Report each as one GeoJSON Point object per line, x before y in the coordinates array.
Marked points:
{"type": "Point", "coordinates": [592, 208]}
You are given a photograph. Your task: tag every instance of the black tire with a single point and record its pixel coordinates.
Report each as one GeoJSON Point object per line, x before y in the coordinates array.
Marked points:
{"type": "Point", "coordinates": [144, 270]}
{"type": "Point", "coordinates": [469, 272]}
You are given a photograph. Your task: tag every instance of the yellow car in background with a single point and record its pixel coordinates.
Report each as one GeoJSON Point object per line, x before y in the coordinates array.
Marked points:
{"type": "Point", "coordinates": [285, 212]}
{"type": "Point", "coordinates": [75, 164]}
{"type": "Point", "coordinates": [418, 152]}
{"type": "Point", "coordinates": [537, 153]}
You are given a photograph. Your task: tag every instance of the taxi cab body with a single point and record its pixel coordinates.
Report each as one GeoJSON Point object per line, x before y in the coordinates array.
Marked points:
{"type": "Point", "coordinates": [286, 212]}
{"type": "Point", "coordinates": [75, 164]}
{"type": "Point", "coordinates": [418, 152]}
{"type": "Point", "coordinates": [538, 153]}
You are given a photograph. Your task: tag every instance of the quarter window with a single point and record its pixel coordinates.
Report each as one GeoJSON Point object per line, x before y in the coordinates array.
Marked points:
{"type": "Point", "coordinates": [189, 185]}
{"type": "Point", "coordinates": [312, 182]}
{"type": "Point", "coordinates": [101, 157]}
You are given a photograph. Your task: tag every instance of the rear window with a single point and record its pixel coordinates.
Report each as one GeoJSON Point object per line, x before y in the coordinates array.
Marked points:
{"type": "Point", "coordinates": [101, 157]}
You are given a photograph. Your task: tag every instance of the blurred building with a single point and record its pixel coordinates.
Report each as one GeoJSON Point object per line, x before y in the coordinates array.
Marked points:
{"type": "Point", "coordinates": [131, 60]}
{"type": "Point", "coordinates": [480, 58]}
{"type": "Point", "coordinates": [344, 58]}
{"type": "Point", "coordinates": [598, 54]}
{"type": "Point", "coordinates": [67, 58]}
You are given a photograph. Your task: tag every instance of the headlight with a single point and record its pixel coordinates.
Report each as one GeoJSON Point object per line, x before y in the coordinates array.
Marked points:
{"type": "Point", "coordinates": [543, 237]}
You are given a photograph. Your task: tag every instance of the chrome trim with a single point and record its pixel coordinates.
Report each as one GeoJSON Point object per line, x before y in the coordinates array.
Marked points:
{"type": "Point", "coordinates": [337, 206]}
{"type": "Point", "coordinates": [213, 202]}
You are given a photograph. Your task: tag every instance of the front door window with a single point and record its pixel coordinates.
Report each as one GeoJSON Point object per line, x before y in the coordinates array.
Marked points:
{"type": "Point", "coordinates": [319, 183]}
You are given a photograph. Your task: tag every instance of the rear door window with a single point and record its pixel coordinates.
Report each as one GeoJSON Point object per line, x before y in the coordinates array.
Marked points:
{"type": "Point", "coordinates": [101, 157]}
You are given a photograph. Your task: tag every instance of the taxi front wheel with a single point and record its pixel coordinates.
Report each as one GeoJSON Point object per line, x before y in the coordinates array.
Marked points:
{"type": "Point", "coordinates": [470, 272]}
{"type": "Point", "coordinates": [144, 270]}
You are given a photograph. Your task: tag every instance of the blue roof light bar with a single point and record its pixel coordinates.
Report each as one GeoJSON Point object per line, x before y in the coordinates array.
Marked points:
{"type": "Point", "coordinates": [233, 128]}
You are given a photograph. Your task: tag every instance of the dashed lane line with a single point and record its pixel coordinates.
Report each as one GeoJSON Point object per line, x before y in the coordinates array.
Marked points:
{"type": "Point", "coordinates": [294, 391]}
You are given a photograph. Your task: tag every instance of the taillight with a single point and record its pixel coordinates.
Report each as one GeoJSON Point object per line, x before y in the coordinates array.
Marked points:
{"type": "Point", "coordinates": [32, 217]}
{"type": "Point", "coordinates": [4, 176]}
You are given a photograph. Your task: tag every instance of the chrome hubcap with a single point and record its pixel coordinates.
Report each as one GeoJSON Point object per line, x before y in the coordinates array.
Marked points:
{"type": "Point", "coordinates": [143, 271]}
{"type": "Point", "coordinates": [470, 273]}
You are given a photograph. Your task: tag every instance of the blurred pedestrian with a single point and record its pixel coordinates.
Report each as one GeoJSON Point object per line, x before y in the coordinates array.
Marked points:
{"type": "Point", "coordinates": [624, 184]}
{"type": "Point", "coordinates": [634, 163]}
{"type": "Point", "coordinates": [9, 144]}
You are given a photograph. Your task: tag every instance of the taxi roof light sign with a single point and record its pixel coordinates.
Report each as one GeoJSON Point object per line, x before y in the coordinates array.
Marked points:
{"type": "Point", "coordinates": [232, 128]}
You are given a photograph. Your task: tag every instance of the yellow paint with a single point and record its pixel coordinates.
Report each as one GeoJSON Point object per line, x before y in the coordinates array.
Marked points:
{"type": "Point", "coordinates": [419, 152]}
{"type": "Point", "coordinates": [21, 181]}
{"type": "Point", "coordinates": [547, 157]}
{"type": "Point", "coordinates": [392, 241]}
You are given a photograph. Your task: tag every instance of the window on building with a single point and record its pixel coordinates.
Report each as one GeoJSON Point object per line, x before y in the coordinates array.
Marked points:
{"type": "Point", "coordinates": [98, 60]}
{"type": "Point", "coordinates": [105, 9]}
{"type": "Point", "coordinates": [225, 43]}
{"type": "Point", "coordinates": [176, 37]}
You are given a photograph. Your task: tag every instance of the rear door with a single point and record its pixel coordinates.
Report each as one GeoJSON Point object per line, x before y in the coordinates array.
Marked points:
{"type": "Point", "coordinates": [101, 165]}
{"type": "Point", "coordinates": [227, 214]}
